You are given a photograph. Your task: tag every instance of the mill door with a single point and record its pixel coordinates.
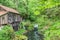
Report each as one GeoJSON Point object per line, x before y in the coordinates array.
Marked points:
{"type": "Point", "coordinates": [15, 26]}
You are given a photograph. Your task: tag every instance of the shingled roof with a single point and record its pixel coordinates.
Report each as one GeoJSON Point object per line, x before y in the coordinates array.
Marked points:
{"type": "Point", "coordinates": [6, 10]}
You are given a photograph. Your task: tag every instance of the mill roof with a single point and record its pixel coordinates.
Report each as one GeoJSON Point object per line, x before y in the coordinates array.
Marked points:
{"type": "Point", "coordinates": [4, 10]}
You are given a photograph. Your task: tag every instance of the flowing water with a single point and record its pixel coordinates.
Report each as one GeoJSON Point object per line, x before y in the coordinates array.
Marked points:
{"type": "Point", "coordinates": [34, 35]}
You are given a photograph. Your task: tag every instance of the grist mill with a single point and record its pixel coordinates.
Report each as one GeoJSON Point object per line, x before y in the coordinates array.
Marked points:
{"type": "Point", "coordinates": [9, 16]}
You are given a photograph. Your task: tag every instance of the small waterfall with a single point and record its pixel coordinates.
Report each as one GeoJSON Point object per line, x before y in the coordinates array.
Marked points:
{"type": "Point", "coordinates": [37, 36]}
{"type": "Point", "coordinates": [34, 35]}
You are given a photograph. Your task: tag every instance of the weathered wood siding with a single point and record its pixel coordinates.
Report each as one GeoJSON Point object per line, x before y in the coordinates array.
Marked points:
{"type": "Point", "coordinates": [9, 18]}
{"type": "Point", "coordinates": [3, 19]}
{"type": "Point", "coordinates": [18, 18]}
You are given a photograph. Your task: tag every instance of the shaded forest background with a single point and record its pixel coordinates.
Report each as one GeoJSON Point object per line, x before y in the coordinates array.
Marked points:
{"type": "Point", "coordinates": [45, 13]}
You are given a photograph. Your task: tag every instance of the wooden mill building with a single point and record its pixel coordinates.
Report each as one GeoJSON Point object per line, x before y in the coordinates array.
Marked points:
{"type": "Point", "coordinates": [9, 16]}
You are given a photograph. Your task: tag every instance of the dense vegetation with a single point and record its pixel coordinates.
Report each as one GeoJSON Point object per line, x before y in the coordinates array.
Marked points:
{"type": "Point", "coordinates": [45, 13]}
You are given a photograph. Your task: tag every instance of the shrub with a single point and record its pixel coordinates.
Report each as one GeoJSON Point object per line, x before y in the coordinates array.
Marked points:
{"type": "Point", "coordinates": [53, 32]}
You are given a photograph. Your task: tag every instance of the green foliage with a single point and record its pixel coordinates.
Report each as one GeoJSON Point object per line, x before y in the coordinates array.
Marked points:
{"type": "Point", "coordinates": [19, 35]}
{"type": "Point", "coordinates": [6, 33]}
{"type": "Point", "coordinates": [26, 24]}
{"type": "Point", "coordinates": [20, 32]}
{"type": "Point", "coordinates": [45, 13]}
{"type": "Point", "coordinates": [53, 33]}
